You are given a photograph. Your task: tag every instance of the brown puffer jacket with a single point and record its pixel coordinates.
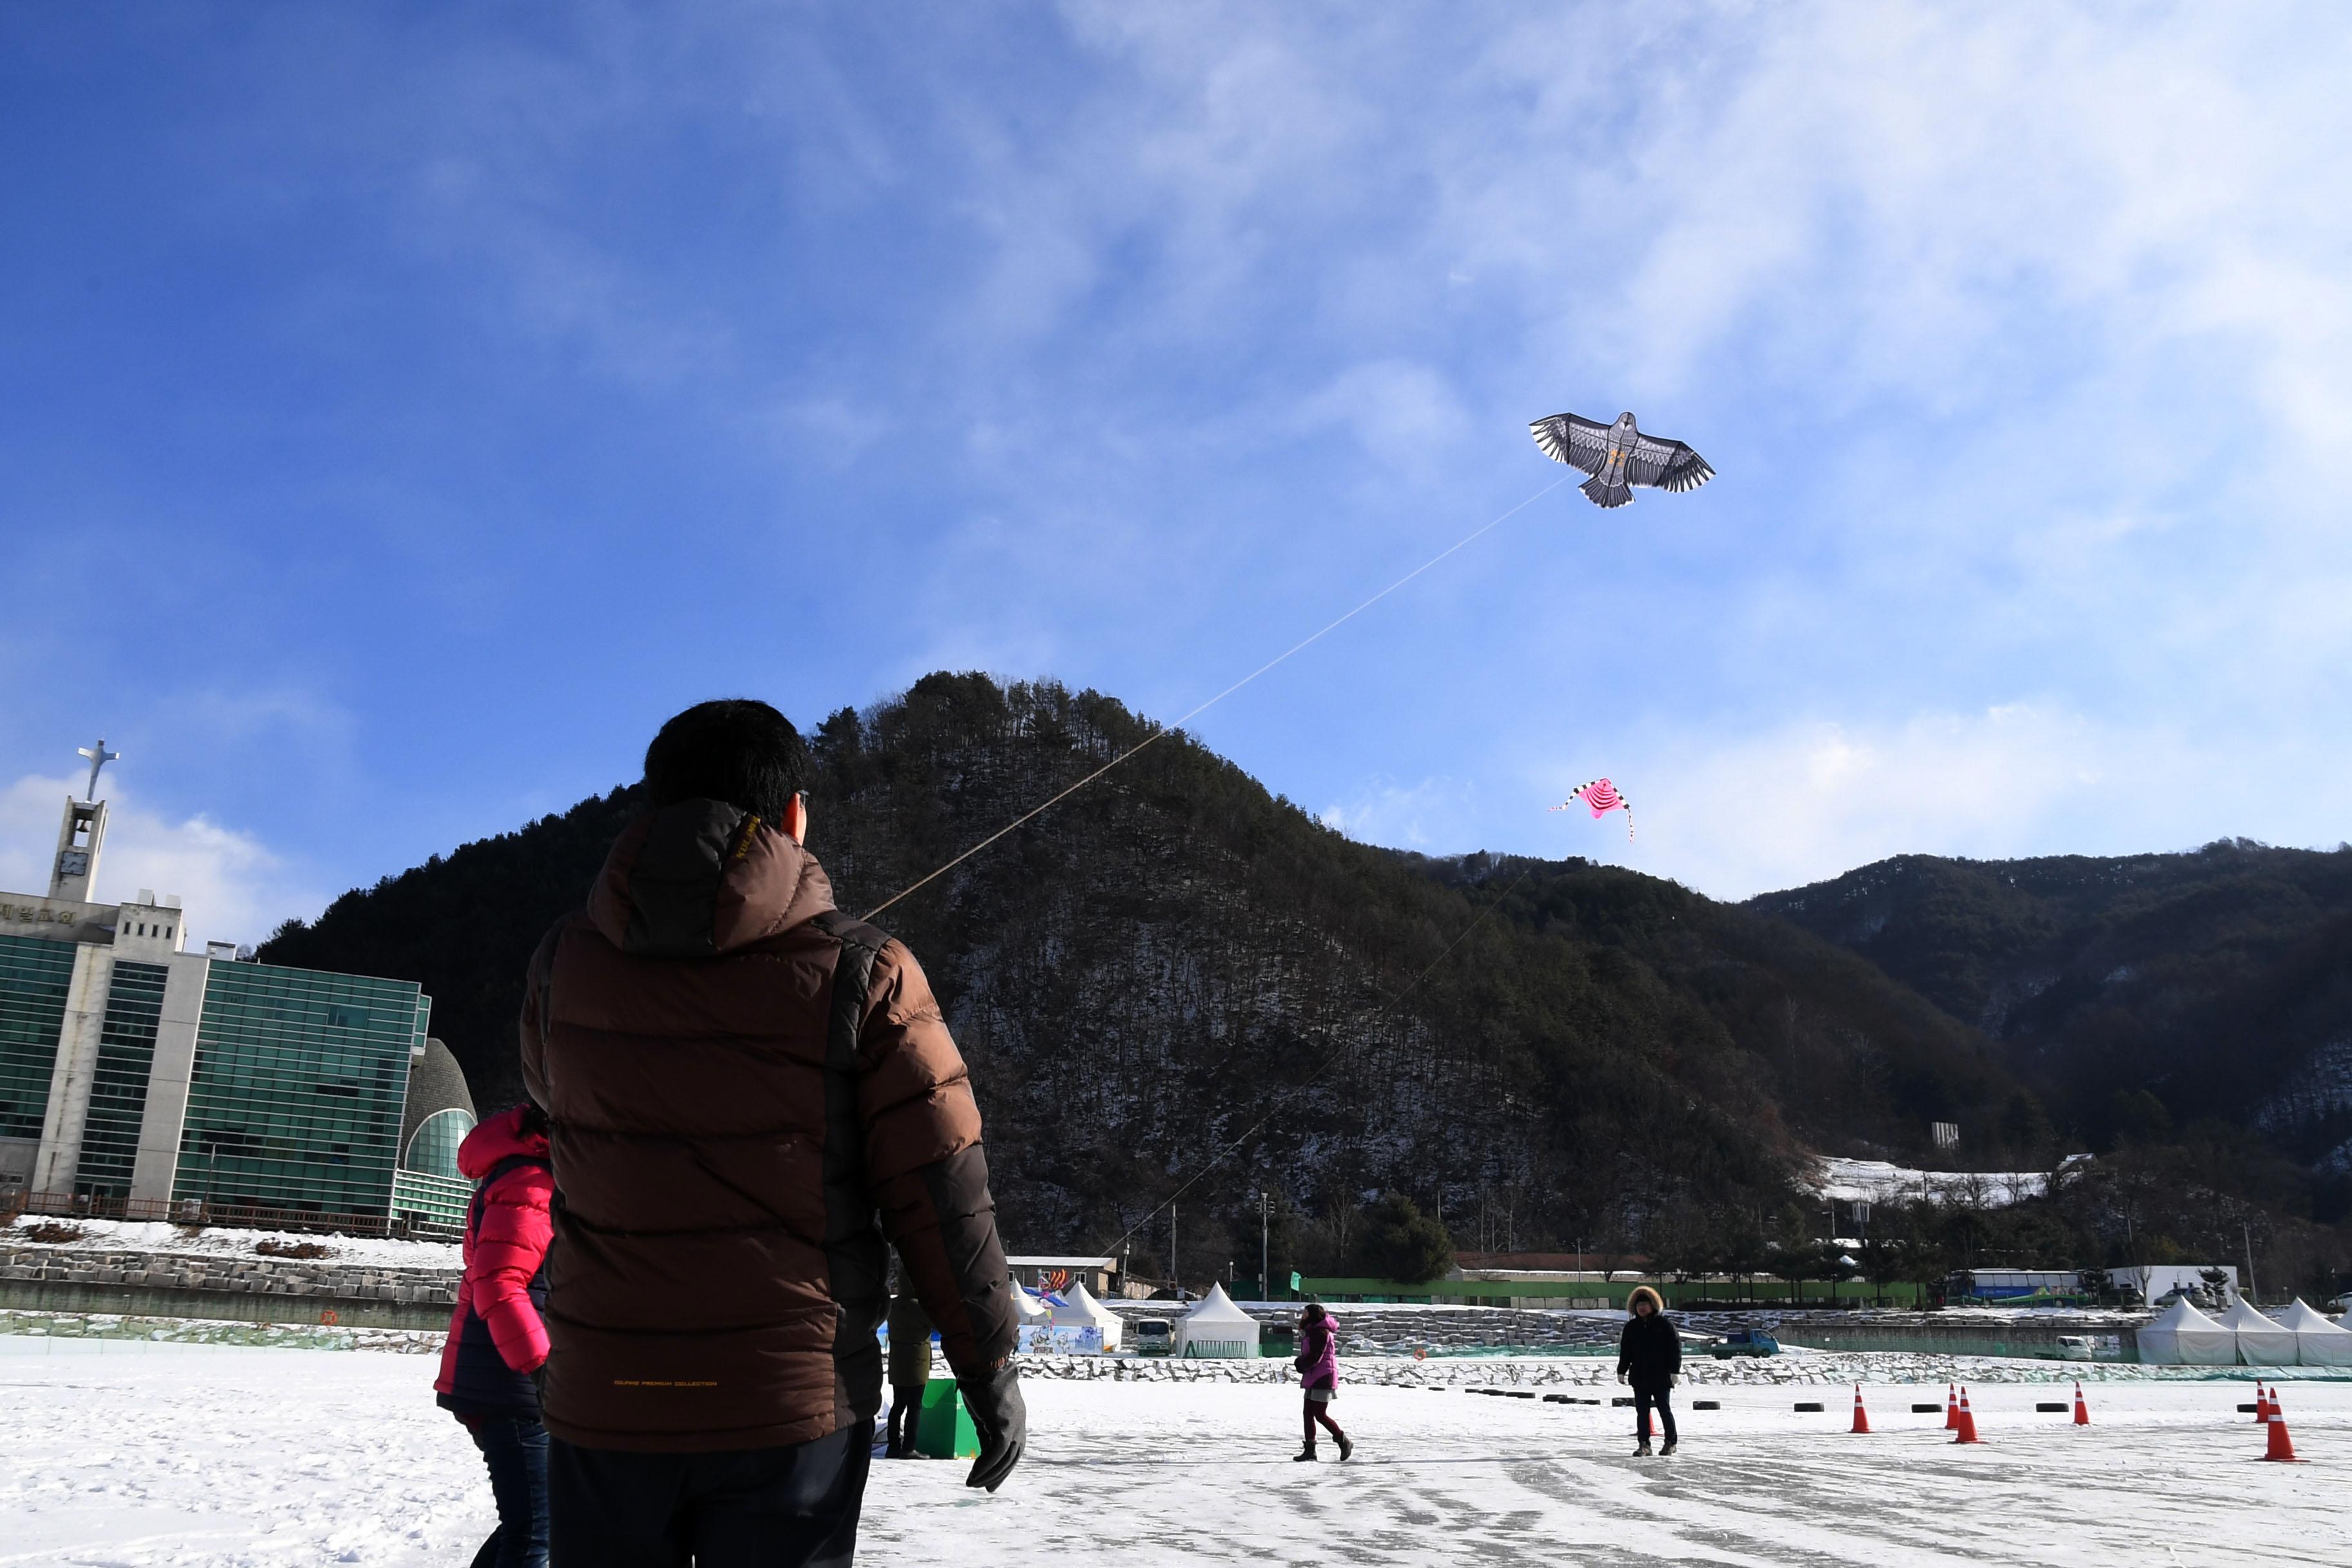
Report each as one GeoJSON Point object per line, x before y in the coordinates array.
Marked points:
{"type": "Point", "coordinates": [722, 1142]}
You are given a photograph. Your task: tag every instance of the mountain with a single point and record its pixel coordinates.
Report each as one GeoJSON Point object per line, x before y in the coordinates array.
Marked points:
{"type": "Point", "coordinates": [1174, 978]}
{"type": "Point", "coordinates": [2140, 994]}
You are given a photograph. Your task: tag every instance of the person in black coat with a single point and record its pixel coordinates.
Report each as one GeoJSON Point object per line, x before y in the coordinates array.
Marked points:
{"type": "Point", "coordinates": [910, 1372]}
{"type": "Point", "coordinates": [1650, 1357]}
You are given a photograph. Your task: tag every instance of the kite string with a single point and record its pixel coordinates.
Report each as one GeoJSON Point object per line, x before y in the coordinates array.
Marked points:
{"type": "Point", "coordinates": [1328, 1062]}
{"type": "Point", "coordinates": [1157, 734]}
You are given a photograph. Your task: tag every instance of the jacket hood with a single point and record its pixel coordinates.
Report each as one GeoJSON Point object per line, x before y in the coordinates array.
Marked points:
{"type": "Point", "coordinates": [702, 878]}
{"type": "Point", "coordinates": [1657, 1304]}
{"type": "Point", "coordinates": [499, 1138]}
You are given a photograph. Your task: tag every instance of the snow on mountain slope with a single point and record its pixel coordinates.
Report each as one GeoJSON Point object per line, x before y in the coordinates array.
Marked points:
{"type": "Point", "coordinates": [1877, 1181]}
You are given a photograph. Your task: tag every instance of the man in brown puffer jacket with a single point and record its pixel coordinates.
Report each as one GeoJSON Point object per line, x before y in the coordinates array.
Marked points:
{"type": "Point", "coordinates": [740, 1081]}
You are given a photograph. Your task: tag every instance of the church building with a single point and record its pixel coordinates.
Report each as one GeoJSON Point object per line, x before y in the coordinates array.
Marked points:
{"type": "Point", "coordinates": [141, 1080]}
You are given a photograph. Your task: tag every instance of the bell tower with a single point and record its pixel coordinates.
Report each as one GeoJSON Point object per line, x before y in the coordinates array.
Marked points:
{"type": "Point", "coordinates": [76, 866]}
{"type": "Point", "coordinates": [74, 870]}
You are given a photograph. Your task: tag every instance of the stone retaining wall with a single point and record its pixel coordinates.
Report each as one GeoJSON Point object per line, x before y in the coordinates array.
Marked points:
{"type": "Point", "coordinates": [244, 1289]}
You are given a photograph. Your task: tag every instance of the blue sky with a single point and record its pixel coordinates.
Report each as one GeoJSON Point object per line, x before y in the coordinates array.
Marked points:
{"type": "Point", "coordinates": [406, 407]}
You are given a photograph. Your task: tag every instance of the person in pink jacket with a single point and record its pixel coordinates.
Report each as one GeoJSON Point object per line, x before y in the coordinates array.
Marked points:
{"type": "Point", "coordinates": [1318, 1365]}
{"type": "Point", "coordinates": [498, 1339]}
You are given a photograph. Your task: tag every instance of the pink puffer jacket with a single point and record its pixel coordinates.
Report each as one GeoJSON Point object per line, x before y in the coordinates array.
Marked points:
{"type": "Point", "coordinates": [497, 1337]}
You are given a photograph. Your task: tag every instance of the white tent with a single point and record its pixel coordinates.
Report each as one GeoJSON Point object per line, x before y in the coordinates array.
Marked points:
{"type": "Point", "coordinates": [2183, 1336]}
{"type": "Point", "coordinates": [1026, 1305]}
{"type": "Point", "coordinates": [1216, 1327]}
{"type": "Point", "coordinates": [1081, 1310]}
{"type": "Point", "coordinates": [2261, 1343]}
{"type": "Point", "coordinates": [2317, 1341]}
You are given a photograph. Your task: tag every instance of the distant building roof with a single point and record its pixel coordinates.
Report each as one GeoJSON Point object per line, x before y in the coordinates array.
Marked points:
{"type": "Point", "coordinates": [1043, 1260]}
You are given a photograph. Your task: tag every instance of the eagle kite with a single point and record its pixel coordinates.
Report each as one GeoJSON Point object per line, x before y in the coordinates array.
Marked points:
{"type": "Point", "coordinates": [1619, 456]}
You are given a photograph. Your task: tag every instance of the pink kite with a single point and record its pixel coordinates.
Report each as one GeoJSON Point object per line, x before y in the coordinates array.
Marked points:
{"type": "Point", "coordinates": [1603, 797]}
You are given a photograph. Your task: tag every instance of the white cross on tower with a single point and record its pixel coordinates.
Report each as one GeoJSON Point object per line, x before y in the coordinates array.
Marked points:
{"type": "Point", "coordinates": [98, 757]}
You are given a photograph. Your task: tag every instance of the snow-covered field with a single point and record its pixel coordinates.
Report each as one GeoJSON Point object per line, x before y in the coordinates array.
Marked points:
{"type": "Point", "coordinates": [135, 1452]}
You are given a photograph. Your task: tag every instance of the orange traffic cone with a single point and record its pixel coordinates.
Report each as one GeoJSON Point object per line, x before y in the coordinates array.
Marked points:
{"type": "Point", "coordinates": [1968, 1421]}
{"type": "Point", "coordinates": [1861, 1416]}
{"type": "Point", "coordinates": [2261, 1404]}
{"type": "Point", "coordinates": [2282, 1447]}
{"type": "Point", "coordinates": [2082, 1409]}
{"type": "Point", "coordinates": [1951, 1407]}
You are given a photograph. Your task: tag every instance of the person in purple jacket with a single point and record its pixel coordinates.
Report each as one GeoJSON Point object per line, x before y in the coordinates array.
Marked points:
{"type": "Point", "coordinates": [1318, 1370]}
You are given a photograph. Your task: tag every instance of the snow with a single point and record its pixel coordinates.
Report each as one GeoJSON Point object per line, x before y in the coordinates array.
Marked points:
{"type": "Point", "coordinates": [158, 1237]}
{"type": "Point", "coordinates": [137, 1452]}
{"type": "Point", "coordinates": [1877, 1181]}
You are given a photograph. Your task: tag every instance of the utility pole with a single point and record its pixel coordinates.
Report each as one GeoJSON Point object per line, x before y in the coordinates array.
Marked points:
{"type": "Point", "coordinates": [2246, 1232]}
{"type": "Point", "coordinates": [1174, 1277]}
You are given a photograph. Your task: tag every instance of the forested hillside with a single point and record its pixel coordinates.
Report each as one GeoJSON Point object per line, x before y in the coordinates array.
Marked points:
{"type": "Point", "coordinates": [2142, 995]}
{"type": "Point", "coordinates": [1173, 960]}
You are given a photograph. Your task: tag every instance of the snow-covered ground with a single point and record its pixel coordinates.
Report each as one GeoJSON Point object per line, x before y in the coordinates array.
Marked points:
{"type": "Point", "coordinates": [136, 1453]}
{"type": "Point", "coordinates": [155, 1235]}
{"type": "Point", "coordinates": [1877, 1181]}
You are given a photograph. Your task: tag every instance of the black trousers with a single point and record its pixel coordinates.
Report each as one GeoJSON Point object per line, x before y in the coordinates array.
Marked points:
{"type": "Point", "coordinates": [772, 1507]}
{"type": "Point", "coordinates": [1642, 1400]}
{"type": "Point", "coordinates": [906, 1416]}
{"type": "Point", "coordinates": [514, 1450]}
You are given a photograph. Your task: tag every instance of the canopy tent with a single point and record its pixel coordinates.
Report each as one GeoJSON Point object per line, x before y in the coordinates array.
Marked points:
{"type": "Point", "coordinates": [1217, 1328]}
{"type": "Point", "coordinates": [2261, 1343]}
{"type": "Point", "coordinates": [2317, 1341]}
{"type": "Point", "coordinates": [1027, 1307]}
{"type": "Point", "coordinates": [2183, 1336]}
{"type": "Point", "coordinates": [1080, 1311]}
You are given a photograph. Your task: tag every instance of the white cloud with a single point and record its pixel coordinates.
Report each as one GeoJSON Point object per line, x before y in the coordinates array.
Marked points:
{"type": "Point", "coordinates": [1405, 817]}
{"type": "Point", "coordinates": [1403, 414]}
{"type": "Point", "coordinates": [234, 887]}
{"type": "Point", "coordinates": [1735, 815]}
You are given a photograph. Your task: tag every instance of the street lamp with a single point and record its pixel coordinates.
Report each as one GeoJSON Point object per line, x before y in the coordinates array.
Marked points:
{"type": "Point", "coordinates": [1264, 1280]}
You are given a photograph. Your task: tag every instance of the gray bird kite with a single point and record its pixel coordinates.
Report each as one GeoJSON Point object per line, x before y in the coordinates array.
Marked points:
{"type": "Point", "coordinates": [1619, 456]}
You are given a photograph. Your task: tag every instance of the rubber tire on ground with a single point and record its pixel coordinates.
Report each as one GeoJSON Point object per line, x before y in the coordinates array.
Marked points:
{"type": "Point", "coordinates": [1707, 1404]}
{"type": "Point", "coordinates": [2047, 1407]}
{"type": "Point", "coordinates": [1808, 1406]}
{"type": "Point", "coordinates": [1926, 1410]}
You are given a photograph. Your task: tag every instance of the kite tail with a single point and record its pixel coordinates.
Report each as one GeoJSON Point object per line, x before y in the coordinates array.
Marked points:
{"type": "Point", "coordinates": [1629, 825]}
{"type": "Point", "coordinates": [1601, 492]}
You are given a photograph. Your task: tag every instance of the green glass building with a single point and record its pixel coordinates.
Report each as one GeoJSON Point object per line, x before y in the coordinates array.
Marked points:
{"type": "Point", "coordinates": [298, 1085]}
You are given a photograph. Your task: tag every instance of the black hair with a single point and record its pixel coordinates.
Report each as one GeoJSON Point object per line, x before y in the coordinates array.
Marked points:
{"type": "Point", "coordinates": [1313, 1312]}
{"type": "Point", "coordinates": [737, 749]}
{"type": "Point", "coordinates": [533, 1120]}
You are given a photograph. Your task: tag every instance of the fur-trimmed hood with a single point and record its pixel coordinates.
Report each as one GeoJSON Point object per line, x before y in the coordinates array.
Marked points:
{"type": "Point", "coordinates": [1657, 1302]}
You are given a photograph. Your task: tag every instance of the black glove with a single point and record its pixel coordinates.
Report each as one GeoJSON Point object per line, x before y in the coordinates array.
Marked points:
{"type": "Point", "coordinates": [1001, 1419]}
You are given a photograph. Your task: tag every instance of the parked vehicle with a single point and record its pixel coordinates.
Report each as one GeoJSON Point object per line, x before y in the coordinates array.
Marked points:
{"type": "Point", "coordinates": [1152, 1336]}
{"type": "Point", "coordinates": [1744, 1341]}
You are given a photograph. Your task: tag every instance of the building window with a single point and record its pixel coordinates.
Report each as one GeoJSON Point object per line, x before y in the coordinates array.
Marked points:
{"type": "Point", "coordinates": [117, 1094]}
{"type": "Point", "coordinates": [433, 1147]}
